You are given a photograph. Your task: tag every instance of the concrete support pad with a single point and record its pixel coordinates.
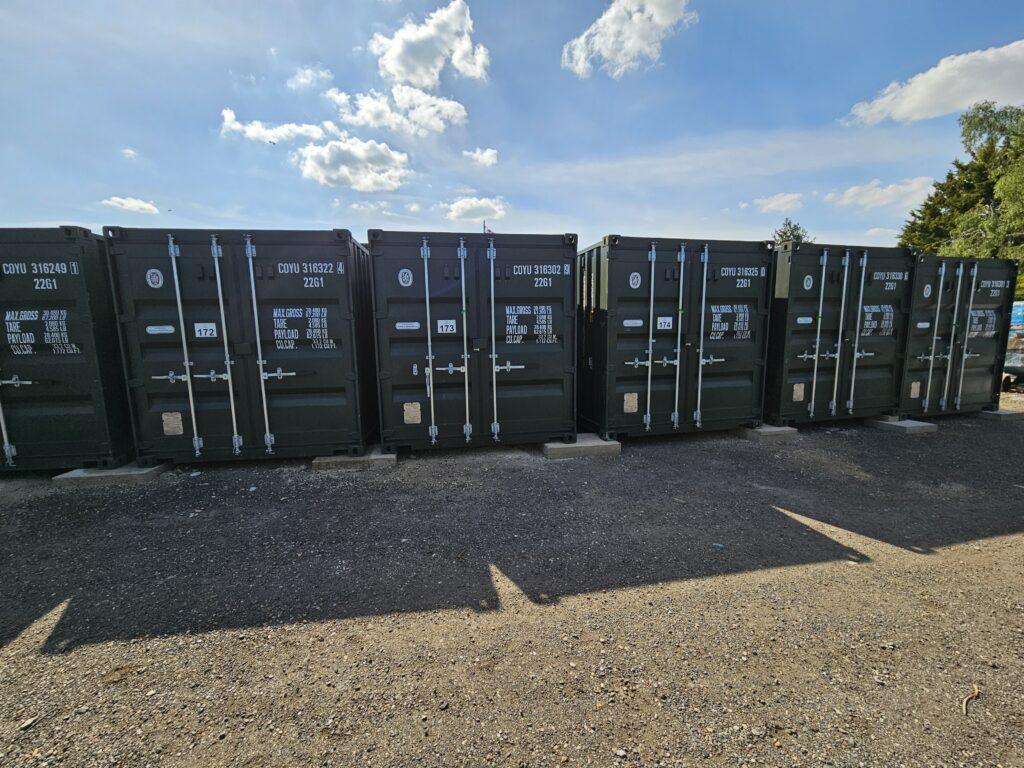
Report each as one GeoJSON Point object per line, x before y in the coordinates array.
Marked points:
{"type": "Point", "coordinates": [587, 444]}
{"type": "Point", "coordinates": [374, 459]}
{"type": "Point", "coordinates": [766, 433]}
{"type": "Point", "coordinates": [129, 474]}
{"type": "Point", "coordinates": [906, 426]}
{"type": "Point", "coordinates": [1002, 414]}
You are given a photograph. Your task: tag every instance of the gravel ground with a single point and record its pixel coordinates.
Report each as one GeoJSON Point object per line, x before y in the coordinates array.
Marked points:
{"type": "Point", "coordinates": [700, 601]}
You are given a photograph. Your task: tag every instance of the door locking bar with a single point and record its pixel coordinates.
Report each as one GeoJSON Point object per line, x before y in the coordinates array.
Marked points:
{"type": "Point", "coordinates": [857, 354]}
{"type": "Point", "coordinates": [931, 357]}
{"type": "Point", "coordinates": [268, 436]}
{"type": "Point", "coordinates": [705, 257]}
{"type": "Point", "coordinates": [217, 253]}
{"type": "Point", "coordinates": [952, 336]}
{"type": "Point", "coordinates": [428, 368]}
{"type": "Point", "coordinates": [10, 451]}
{"type": "Point", "coordinates": [817, 336]}
{"type": "Point", "coordinates": [839, 336]}
{"type": "Point", "coordinates": [174, 252]}
{"type": "Point", "coordinates": [652, 257]}
{"type": "Point", "coordinates": [278, 374]}
{"type": "Point", "coordinates": [681, 258]}
{"type": "Point", "coordinates": [467, 427]}
{"type": "Point", "coordinates": [966, 355]}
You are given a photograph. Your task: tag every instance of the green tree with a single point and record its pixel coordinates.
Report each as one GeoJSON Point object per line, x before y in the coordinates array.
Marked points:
{"type": "Point", "coordinates": [978, 209]}
{"type": "Point", "coordinates": [790, 230]}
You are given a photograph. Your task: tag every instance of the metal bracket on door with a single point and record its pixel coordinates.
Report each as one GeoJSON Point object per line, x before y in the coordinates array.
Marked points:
{"type": "Point", "coordinates": [966, 355]}
{"type": "Point", "coordinates": [931, 357]}
{"type": "Point", "coordinates": [681, 258]}
{"type": "Point", "coordinates": [952, 336]}
{"type": "Point", "coordinates": [857, 354]}
{"type": "Point", "coordinates": [817, 336]}
{"type": "Point", "coordinates": [9, 449]}
{"type": "Point", "coordinates": [268, 436]}
{"type": "Point", "coordinates": [705, 257]}
{"type": "Point", "coordinates": [278, 374]}
{"type": "Point", "coordinates": [174, 252]}
{"type": "Point", "coordinates": [428, 371]}
{"type": "Point", "coordinates": [652, 257]}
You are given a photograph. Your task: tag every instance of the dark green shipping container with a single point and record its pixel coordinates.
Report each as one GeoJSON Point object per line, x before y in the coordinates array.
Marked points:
{"type": "Point", "coordinates": [476, 338]}
{"type": "Point", "coordinates": [245, 344]}
{"type": "Point", "coordinates": [959, 328]}
{"type": "Point", "coordinates": [673, 334]}
{"type": "Point", "coordinates": [62, 396]}
{"type": "Point", "coordinates": [838, 333]}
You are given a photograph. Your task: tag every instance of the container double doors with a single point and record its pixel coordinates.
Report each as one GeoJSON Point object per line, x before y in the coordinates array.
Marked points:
{"type": "Point", "coordinates": [476, 338]}
{"type": "Point", "coordinates": [958, 335]}
{"type": "Point", "coordinates": [54, 409]}
{"type": "Point", "coordinates": [842, 335]}
{"type": "Point", "coordinates": [238, 345]}
{"type": "Point", "coordinates": [686, 333]}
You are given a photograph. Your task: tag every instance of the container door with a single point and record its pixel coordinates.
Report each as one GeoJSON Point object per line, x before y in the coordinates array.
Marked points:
{"type": "Point", "coordinates": [728, 328]}
{"type": "Point", "coordinates": [880, 307]}
{"type": "Point", "coordinates": [649, 364]}
{"type": "Point", "coordinates": [182, 318]}
{"type": "Point", "coordinates": [48, 372]}
{"type": "Point", "coordinates": [528, 336]}
{"type": "Point", "coordinates": [301, 372]}
{"type": "Point", "coordinates": [818, 306]}
{"type": "Point", "coordinates": [981, 343]}
{"type": "Point", "coordinates": [929, 336]}
{"type": "Point", "coordinates": [426, 293]}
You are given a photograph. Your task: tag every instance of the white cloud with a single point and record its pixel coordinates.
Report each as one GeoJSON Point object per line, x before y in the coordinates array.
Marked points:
{"type": "Point", "coordinates": [413, 207]}
{"type": "Point", "coordinates": [476, 208]}
{"type": "Point", "coordinates": [903, 194]}
{"type": "Point", "coordinates": [484, 157]}
{"type": "Point", "coordinates": [255, 130]}
{"type": "Point", "coordinates": [132, 205]}
{"type": "Point", "coordinates": [365, 166]}
{"type": "Point", "coordinates": [744, 204]}
{"type": "Point", "coordinates": [886, 233]}
{"type": "Point", "coordinates": [309, 77]}
{"type": "Point", "coordinates": [366, 206]}
{"type": "Point", "coordinates": [129, 154]}
{"type": "Point", "coordinates": [412, 110]}
{"type": "Point", "coordinates": [628, 31]}
{"type": "Point", "coordinates": [952, 85]}
{"type": "Point", "coordinates": [784, 202]}
{"type": "Point", "coordinates": [417, 53]}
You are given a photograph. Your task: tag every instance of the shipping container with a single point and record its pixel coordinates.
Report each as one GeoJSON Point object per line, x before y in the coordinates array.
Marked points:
{"type": "Point", "coordinates": [674, 334]}
{"type": "Point", "coordinates": [242, 345]}
{"type": "Point", "coordinates": [959, 328]}
{"type": "Point", "coordinates": [476, 338]}
{"type": "Point", "coordinates": [62, 394]}
{"type": "Point", "coordinates": [838, 332]}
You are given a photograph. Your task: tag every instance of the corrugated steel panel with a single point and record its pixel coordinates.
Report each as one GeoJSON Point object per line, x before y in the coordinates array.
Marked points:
{"type": "Point", "coordinates": [245, 345]}
{"type": "Point", "coordinates": [476, 337]}
{"type": "Point", "coordinates": [62, 398]}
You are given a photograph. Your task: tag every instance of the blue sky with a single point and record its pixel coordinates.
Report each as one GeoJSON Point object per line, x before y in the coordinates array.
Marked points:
{"type": "Point", "coordinates": [644, 117]}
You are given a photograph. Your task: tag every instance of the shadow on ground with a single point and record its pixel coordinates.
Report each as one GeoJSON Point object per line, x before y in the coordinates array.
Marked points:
{"type": "Point", "coordinates": [257, 545]}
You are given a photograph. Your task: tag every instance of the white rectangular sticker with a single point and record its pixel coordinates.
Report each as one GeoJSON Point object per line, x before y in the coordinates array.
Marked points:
{"type": "Point", "coordinates": [804, 320]}
{"type": "Point", "coordinates": [159, 330]}
{"type": "Point", "coordinates": [206, 330]}
{"type": "Point", "coordinates": [924, 325]}
{"type": "Point", "coordinates": [446, 326]}
{"type": "Point", "coordinates": [633, 323]}
{"type": "Point", "coordinates": [665, 323]}
{"type": "Point", "coordinates": [407, 326]}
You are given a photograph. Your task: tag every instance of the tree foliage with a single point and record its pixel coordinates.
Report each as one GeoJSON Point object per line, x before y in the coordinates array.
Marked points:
{"type": "Point", "coordinates": [791, 231]}
{"type": "Point", "coordinates": [978, 209]}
